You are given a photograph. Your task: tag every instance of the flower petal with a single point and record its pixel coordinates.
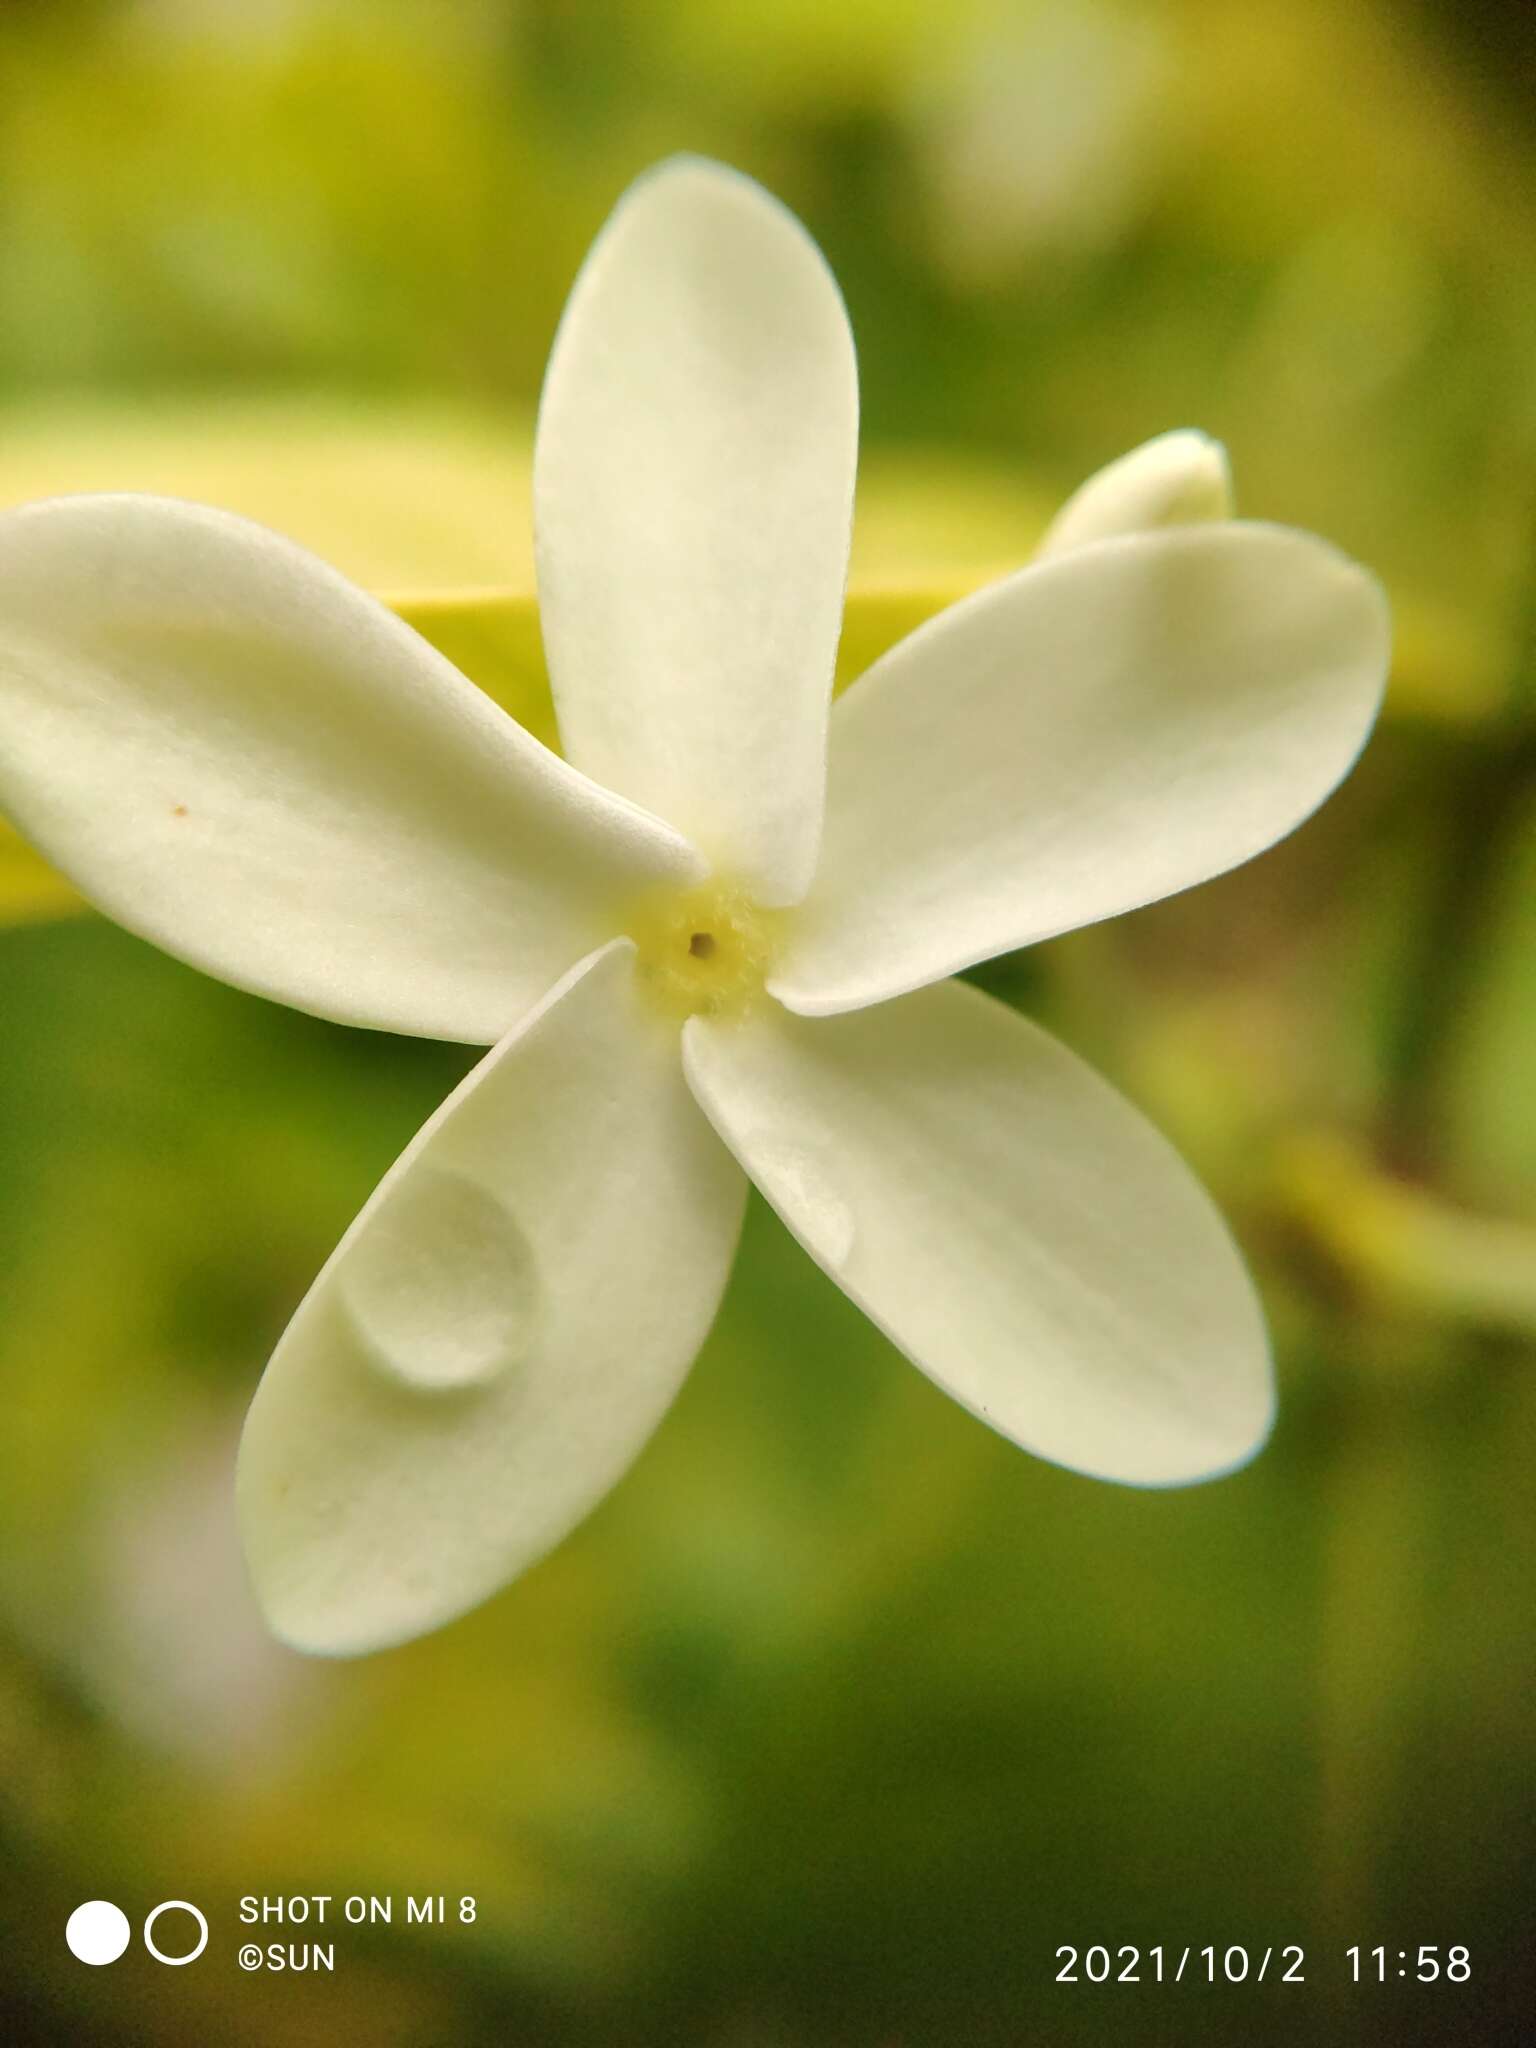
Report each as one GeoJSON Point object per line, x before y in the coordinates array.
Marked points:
{"type": "Point", "coordinates": [693, 491]}
{"type": "Point", "coordinates": [1178, 479]}
{"type": "Point", "coordinates": [497, 1334]}
{"type": "Point", "coordinates": [1013, 1224]}
{"type": "Point", "coordinates": [238, 755]}
{"type": "Point", "coordinates": [1091, 734]}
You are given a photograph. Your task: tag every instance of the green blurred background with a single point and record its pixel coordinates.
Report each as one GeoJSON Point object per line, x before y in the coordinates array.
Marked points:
{"type": "Point", "coordinates": [840, 1715]}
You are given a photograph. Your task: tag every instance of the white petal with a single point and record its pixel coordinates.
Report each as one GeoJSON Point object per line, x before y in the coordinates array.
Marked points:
{"type": "Point", "coordinates": [497, 1334]}
{"type": "Point", "coordinates": [1089, 735]}
{"type": "Point", "coordinates": [238, 755]}
{"type": "Point", "coordinates": [1179, 479]}
{"type": "Point", "coordinates": [1013, 1224]}
{"type": "Point", "coordinates": [693, 489]}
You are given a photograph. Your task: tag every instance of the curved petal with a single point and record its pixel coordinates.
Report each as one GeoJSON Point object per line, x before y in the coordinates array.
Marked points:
{"type": "Point", "coordinates": [693, 491]}
{"type": "Point", "coordinates": [497, 1334]}
{"type": "Point", "coordinates": [1178, 479]}
{"type": "Point", "coordinates": [1089, 735]}
{"type": "Point", "coordinates": [238, 755]}
{"type": "Point", "coordinates": [1013, 1224]}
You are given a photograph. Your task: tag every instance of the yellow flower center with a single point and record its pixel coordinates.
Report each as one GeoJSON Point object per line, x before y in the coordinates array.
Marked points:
{"type": "Point", "coordinates": [704, 951]}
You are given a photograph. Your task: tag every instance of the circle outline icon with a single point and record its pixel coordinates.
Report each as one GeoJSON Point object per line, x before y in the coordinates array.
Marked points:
{"type": "Point", "coordinates": [167, 1906]}
{"type": "Point", "coordinates": [89, 1939]}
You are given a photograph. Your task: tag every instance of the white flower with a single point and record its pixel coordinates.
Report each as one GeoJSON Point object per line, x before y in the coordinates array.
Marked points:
{"type": "Point", "coordinates": [243, 758]}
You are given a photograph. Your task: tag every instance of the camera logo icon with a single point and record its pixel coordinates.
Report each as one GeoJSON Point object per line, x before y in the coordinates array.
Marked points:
{"type": "Point", "coordinates": [98, 1932]}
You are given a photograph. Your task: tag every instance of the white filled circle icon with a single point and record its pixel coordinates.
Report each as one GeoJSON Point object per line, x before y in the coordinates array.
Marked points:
{"type": "Point", "coordinates": [96, 1932]}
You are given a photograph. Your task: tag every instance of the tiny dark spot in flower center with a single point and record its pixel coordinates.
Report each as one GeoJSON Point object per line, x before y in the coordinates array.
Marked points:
{"type": "Point", "coordinates": [702, 945]}
{"type": "Point", "coordinates": [178, 810]}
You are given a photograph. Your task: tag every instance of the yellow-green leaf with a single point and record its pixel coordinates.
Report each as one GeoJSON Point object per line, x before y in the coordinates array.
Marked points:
{"type": "Point", "coordinates": [30, 890]}
{"type": "Point", "coordinates": [493, 636]}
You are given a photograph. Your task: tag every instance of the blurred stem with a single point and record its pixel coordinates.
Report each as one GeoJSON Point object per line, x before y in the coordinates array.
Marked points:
{"type": "Point", "coordinates": [1374, 1211]}
{"type": "Point", "coordinates": [1371, 1619]}
{"type": "Point", "coordinates": [1487, 804]}
{"type": "Point", "coordinates": [1406, 1251]}
{"type": "Point", "coordinates": [1410, 1261]}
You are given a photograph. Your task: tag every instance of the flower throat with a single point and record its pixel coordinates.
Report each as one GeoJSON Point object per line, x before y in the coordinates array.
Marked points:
{"type": "Point", "coordinates": [704, 951]}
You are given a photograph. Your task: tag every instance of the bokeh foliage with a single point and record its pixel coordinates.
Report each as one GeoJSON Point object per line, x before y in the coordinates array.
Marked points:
{"type": "Point", "coordinates": [840, 1714]}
